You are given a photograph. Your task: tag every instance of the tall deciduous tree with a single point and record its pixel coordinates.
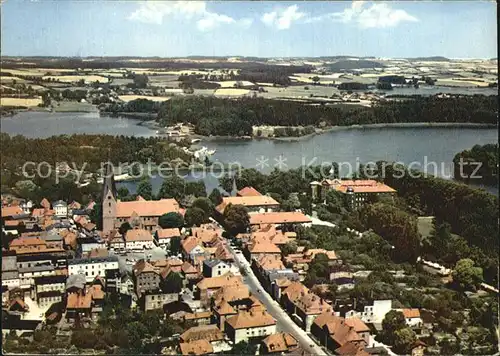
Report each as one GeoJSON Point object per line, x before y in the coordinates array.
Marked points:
{"type": "Point", "coordinates": [467, 275]}
{"type": "Point", "coordinates": [145, 189]}
{"type": "Point", "coordinates": [171, 220]}
{"type": "Point", "coordinates": [236, 219]}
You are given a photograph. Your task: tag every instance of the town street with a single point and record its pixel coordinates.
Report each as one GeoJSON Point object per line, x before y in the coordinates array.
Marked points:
{"type": "Point", "coordinates": [284, 322]}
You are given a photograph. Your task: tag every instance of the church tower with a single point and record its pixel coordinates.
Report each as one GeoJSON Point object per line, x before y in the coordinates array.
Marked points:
{"type": "Point", "coordinates": [108, 199]}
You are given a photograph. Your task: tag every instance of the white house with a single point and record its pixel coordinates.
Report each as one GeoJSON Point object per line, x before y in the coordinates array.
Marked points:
{"type": "Point", "coordinates": [163, 236]}
{"type": "Point", "coordinates": [215, 268]}
{"type": "Point", "coordinates": [372, 313]}
{"type": "Point", "coordinates": [92, 267]}
{"type": "Point", "coordinates": [412, 317]}
{"type": "Point", "coordinates": [27, 206]}
{"type": "Point", "coordinates": [60, 208]}
{"type": "Point", "coordinates": [138, 239]}
{"type": "Point", "coordinates": [250, 324]}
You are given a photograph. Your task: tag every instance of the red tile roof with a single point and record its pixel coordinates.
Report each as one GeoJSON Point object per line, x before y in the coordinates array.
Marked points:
{"type": "Point", "coordinates": [248, 192]}
{"type": "Point", "coordinates": [288, 217]}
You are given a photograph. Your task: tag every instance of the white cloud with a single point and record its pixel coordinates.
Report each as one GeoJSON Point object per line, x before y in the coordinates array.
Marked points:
{"type": "Point", "coordinates": [378, 15]}
{"type": "Point", "coordinates": [282, 19]}
{"type": "Point", "coordinates": [155, 12]}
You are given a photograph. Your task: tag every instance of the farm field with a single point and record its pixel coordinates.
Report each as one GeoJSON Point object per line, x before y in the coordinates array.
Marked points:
{"type": "Point", "coordinates": [5, 79]}
{"type": "Point", "coordinates": [231, 92]}
{"type": "Point", "coordinates": [28, 102]}
{"type": "Point", "coordinates": [127, 98]}
{"type": "Point", "coordinates": [75, 78]}
{"type": "Point", "coordinates": [73, 106]}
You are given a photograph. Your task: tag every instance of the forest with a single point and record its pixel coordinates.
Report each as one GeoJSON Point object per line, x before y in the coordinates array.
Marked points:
{"type": "Point", "coordinates": [230, 117]}
{"type": "Point", "coordinates": [82, 149]}
{"type": "Point", "coordinates": [480, 164]}
{"type": "Point", "coordinates": [471, 213]}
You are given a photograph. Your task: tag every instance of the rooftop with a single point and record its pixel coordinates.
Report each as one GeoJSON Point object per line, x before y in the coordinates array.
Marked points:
{"type": "Point", "coordinates": [251, 319]}
{"type": "Point", "coordinates": [248, 192]}
{"type": "Point", "coordinates": [284, 217]}
{"type": "Point", "coordinates": [146, 207]}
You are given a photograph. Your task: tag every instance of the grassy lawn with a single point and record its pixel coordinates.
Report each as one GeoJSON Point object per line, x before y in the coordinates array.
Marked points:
{"type": "Point", "coordinates": [425, 226]}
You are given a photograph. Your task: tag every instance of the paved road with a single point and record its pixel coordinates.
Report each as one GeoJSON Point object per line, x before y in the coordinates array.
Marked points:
{"type": "Point", "coordinates": [284, 322]}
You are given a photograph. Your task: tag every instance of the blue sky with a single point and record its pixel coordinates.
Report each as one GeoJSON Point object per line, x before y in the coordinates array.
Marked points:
{"type": "Point", "coordinates": [462, 29]}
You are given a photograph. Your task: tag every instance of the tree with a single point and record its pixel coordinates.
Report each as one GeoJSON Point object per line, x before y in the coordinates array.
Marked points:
{"type": "Point", "coordinates": [334, 201]}
{"type": "Point", "coordinates": [172, 187]}
{"type": "Point", "coordinates": [123, 192]}
{"type": "Point", "coordinates": [288, 248]}
{"type": "Point", "coordinates": [170, 327]}
{"type": "Point", "coordinates": [215, 197]}
{"type": "Point", "coordinates": [404, 340]}
{"type": "Point", "coordinates": [194, 216]}
{"type": "Point", "coordinates": [124, 228]}
{"type": "Point", "coordinates": [197, 188]}
{"type": "Point", "coordinates": [242, 348]}
{"type": "Point", "coordinates": [236, 219]}
{"type": "Point", "coordinates": [315, 79]}
{"type": "Point", "coordinates": [172, 283]}
{"type": "Point", "coordinates": [175, 245]}
{"type": "Point", "coordinates": [83, 338]}
{"type": "Point", "coordinates": [145, 189]}
{"type": "Point", "coordinates": [393, 321]}
{"type": "Point", "coordinates": [319, 270]}
{"type": "Point", "coordinates": [171, 220]}
{"type": "Point", "coordinates": [466, 275]}
{"type": "Point", "coordinates": [204, 204]}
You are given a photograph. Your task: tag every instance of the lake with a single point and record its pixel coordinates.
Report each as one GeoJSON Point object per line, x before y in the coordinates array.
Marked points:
{"type": "Point", "coordinates": [433, 147]}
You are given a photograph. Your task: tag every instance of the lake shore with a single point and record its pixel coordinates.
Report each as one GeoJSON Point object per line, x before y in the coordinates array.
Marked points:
{"type": "Point", "coordinates": [352, 127]}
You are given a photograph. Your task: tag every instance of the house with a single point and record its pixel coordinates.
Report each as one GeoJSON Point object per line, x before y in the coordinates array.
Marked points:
{"type": "Point", "coordinates": [418, 348]}
{"type": "Point", "coordinates": [333, 332]}
{"type": "Point", "coordinates": [257, 249]}
{"type": "Point", "coordinates": [46, 299]}
{"type": "Point", "coordinates": [279, 343]}
{"type": "Point", "coordinates": [45, 204]}
{"type": "Point", "coordinates": [279, 218]}
{"type": "Point", "coordinates": [50, 284]}
{"type": "Point", "coordinates": [356, 192]}
{"type": "Point", "coordinates": [214, 268]}
{"type": "Point", "coordinates": [342, 276]}
{"type": "Point", "coordinates": [10, 272]}
{"type": "Point", "coordinates": [138, 239]}
{"type": "Point", "coordinates": [211, 333]}
{"type": "Point", "coordinates": [93, 266]}
{"type": "Point", "coordinates": [207, 287]}
{"type": "Point", "coordinates": [372, 313]}
{"type": "Point", "coordinates": [192, 247]}
{"type": "Point", "coordinates": [156, 300]}
{"type": "Point", "coordinates": [308, 307]}
{"type": "Point", "coordinates": [45, 264]}
{"type": "Point", "coordinates": [254, 204]}
{"type": "Point", "coordinates": [412, 317]}
{"type": "Point", "coordinates": [250, 324]}
{"type": "Point", "coordinates": [34, 246]}
{"type": "Point", "coordinates": [199, 318]}
{"type": "Point", "coordinates": [26, 206]}
{"type": "Point", "coordinates": [147, 277]}
{"type": "Point", "coordinates": [75, 283]}
{"type": "Point", "coordinates": [163, 236]}
{"type": "Point", "coordinates": [79, 305]}
{"type": "Point", "coordinates": [60, 209]}
{"type": "Point", "coordinates": [198, 347]}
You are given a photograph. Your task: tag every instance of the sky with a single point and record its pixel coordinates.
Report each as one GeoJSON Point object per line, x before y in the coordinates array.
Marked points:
{"type": "Point", "coordinates": [396, 29]}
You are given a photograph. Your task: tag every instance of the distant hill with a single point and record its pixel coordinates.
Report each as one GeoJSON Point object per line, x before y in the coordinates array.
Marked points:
{"type": "Point", "coordinates": [431, 59]}
{"type": "Point", "coordinates": [349, 64]}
